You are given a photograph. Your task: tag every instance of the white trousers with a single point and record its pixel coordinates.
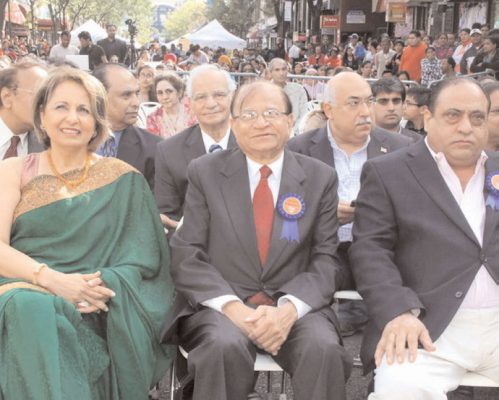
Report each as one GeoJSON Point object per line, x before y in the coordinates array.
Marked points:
{"type": "Point", "coordinates": [469, 343]}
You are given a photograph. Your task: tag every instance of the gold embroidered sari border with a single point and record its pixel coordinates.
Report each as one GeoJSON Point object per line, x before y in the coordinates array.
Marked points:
{"type": "Point", "coordinates": [21, 285]}
{"type": "Point", "coordinates": [43, 190]}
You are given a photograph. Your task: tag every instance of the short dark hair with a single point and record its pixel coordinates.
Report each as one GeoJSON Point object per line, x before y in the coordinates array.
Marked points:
{"type": "Point", "coordinates": [420, 94]}
{"type": "Point", "coordinates": [388, 84]}
{"type": "Point", "coordinates": [66, 33]}
{"type": "Point", "coordinates": [439, 87]}
{"type": "Point", "coordinates": [494, 38]}
{"type": "Point", "coordinates": [490, 87]}
{"type": "Point", "coordinates": [415, 33]}
{"type": "Point", "coordinates": [84, 35]}
{"type": "Point", "coordinates": [246, 90]}
{"type": "Point", "coordinates": [405, 73]}
{"type": "Point", "coordinates": [467, 30]}
{"type": "Point", "coordinates": [110, 26]}
{"type": "Point", "coordinates": [451, 62]}
{"type": "Point", "coordinates": [429, 48]}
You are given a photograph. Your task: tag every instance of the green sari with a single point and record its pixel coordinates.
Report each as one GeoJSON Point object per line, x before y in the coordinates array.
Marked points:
{"type": "Point", "coordinates": [48, 349]}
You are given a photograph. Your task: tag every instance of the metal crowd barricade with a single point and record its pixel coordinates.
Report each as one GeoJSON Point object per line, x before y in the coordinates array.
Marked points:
{"type": "Point", "coordinates": [477, 75]}
{"type": "Point", "coordinates": [292, 77]}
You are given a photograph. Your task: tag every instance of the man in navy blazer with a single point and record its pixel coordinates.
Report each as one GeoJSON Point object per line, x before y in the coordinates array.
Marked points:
{"type": "Point", "coordinates": [425, 254]}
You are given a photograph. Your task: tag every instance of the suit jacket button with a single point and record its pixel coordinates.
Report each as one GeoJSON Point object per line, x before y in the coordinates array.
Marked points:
{"type": "Point", "coordinates": [483, 257]}
{"type": "Point", "coordinates": [459, 294]}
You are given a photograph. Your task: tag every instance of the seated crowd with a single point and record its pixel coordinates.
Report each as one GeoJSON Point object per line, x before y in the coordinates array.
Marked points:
{"type": "Point", "coordinates": [142, 210]}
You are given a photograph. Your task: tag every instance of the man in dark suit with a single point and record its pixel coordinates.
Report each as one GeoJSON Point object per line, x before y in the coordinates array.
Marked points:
{"type": "Point", "coordinates": [388, 108]}
{"type": "Point", "coordinates": [345, 143]}
{"type": "Point", "coordinates": [18, 84]}
{"type": "Point", "coordinates": [254, 262]}
{"type": "Point", "coordinates": [425, 252]}
{"type": "Point", "coordinates": [210, 90]}
{"type": "Point", "coordinates": [129, 143]}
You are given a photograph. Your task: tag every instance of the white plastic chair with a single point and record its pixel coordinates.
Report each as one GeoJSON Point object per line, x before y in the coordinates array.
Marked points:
{"type": "Point", "coordinates": [263, 363]}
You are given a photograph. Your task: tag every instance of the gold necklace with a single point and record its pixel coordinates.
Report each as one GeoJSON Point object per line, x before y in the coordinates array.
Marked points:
{"type": "Point", "coordinates": [70, 184]}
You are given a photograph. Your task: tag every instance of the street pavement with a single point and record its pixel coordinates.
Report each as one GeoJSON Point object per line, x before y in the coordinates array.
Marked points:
{"type": "Point", "coordinates": [356, 386]}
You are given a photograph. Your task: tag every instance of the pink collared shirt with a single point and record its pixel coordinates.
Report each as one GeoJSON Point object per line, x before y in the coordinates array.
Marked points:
{"type": "Point", "coordinates": [484, 291]}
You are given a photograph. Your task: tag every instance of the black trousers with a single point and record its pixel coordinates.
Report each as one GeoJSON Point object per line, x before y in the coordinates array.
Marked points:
{"type": "Point", "coordinates": [221, 357]}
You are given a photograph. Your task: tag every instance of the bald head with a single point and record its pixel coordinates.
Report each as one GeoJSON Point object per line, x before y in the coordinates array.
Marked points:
{"type": "Point", "coordinates": [344, 84]}
{"type": "Point", "coordinates": [348, 108]}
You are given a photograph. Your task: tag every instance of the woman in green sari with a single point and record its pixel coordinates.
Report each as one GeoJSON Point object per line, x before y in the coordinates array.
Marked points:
{"type": "Point", "coordinates": [84, 265]}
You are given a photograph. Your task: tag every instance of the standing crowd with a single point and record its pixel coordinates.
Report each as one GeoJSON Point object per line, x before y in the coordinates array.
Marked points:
{"type": "Point", "coordinates": [177, 204]}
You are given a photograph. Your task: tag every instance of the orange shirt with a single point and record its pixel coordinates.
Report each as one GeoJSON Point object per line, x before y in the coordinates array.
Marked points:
{"type": "Point", "coordinates": [334, 62]}
{"type": "Point", "coordinates": [411, 60]}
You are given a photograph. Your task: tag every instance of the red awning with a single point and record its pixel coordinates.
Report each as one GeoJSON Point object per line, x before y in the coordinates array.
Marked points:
{"type": "Point", "coordinates": [16, 14]}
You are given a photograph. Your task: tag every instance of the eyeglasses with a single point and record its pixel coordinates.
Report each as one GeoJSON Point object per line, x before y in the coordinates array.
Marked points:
{"type": "Point", "coordinates": [355, 102]}
{"type": "Point", "coordinates": [217, 96]}
{"type": "Point", "coordinates": [251, 115]}
{"type": "Point", "coordinates": [384, 101]}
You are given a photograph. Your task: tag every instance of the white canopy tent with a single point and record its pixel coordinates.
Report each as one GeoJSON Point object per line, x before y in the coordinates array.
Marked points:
{"type": "Point", "coordinates": [96, 31]}
{"type": "Point", "coordinates": [92, 27]}
{"type": "Point", "coordinates": [214, 35]}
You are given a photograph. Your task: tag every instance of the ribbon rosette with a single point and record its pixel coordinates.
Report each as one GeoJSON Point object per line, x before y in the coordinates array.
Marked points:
{"type": "Point", "coordinates": [492, 186]}
{"type": "Point", "coordinates": [291, 207]}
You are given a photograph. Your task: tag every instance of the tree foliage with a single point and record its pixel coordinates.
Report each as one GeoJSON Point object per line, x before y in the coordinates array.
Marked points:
{"type": "Point", "coordinates": [77, 12]}
{"type": "Point", "coordinates": [187, 18]}
{"type": "Point", "coordinates": [235, 15]}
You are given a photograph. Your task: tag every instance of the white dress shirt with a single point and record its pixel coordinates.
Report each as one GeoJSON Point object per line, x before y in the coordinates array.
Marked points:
{"type": "Point", "coordinates": [484, 291]}
{"type": "Point", "coordinates": [349, 169]}
{"type": "Point", "coordinates": [208, 141]}
{"type": "Point", "coordinates": [274, 181]}
{"type": "Point", "coordinates": [5, 140]}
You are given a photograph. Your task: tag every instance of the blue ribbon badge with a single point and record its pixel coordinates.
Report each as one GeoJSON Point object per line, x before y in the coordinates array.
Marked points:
{"type": "Point", "coordinates": [291, 207]}
{"type": "Point", "coordinates": [492, 186]}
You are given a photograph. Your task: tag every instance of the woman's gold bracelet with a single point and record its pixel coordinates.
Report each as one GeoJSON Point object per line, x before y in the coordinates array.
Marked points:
{"type": "Point", "coordinates": [36, 272]}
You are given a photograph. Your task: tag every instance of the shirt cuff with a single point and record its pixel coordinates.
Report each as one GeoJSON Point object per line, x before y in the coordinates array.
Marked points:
{"type": "Point", "coordinates": [302, 308]}
{"type": "Point", "coordinates": [219, 302]}
{"type": "Point", "coordinates": [415, 312]}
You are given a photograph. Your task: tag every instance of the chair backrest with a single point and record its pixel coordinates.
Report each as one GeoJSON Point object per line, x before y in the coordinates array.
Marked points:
{"type": "Point", "coordinates": [477, 380]}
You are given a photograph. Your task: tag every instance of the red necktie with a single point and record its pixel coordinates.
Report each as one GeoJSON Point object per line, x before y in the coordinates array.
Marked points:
{"type": "Point", "coordinates": [263, 213]}
{"type": "Point", "coordinates": [12, 150]}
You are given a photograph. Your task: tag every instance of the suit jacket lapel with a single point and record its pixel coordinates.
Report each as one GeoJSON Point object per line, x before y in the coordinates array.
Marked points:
{"type": "Point", "coordinates": [491, 218]}
{"type": "Point", "coordinates": [34, 145]}
{"type": "Point", "coordinates": [291, 182]}
{"type": "Point", "coordinates": [237, 197]}
{"type": "Point", "coordinates": [376, 146]}
{"type": "Point", "coordinates": [426, 172]}
{"type": "Point", "coordinates": [321, 147]}
{"type": "Point", "coordinates": [194, 145]}
{"type": "Point", "coordinates": [232, 141]}
{"type": "Point", "coordinates": [127, 148]}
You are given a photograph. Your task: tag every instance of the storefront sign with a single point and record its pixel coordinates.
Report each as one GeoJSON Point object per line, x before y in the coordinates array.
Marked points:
{"type": "Point", "coordinates": [288, 7]}
{"type": "Point", "coordinates": [396, 12]}
{"type": "Point", "coordinates": [356, 17]}
{"type": "Point", "coordinates": [330, 21]}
